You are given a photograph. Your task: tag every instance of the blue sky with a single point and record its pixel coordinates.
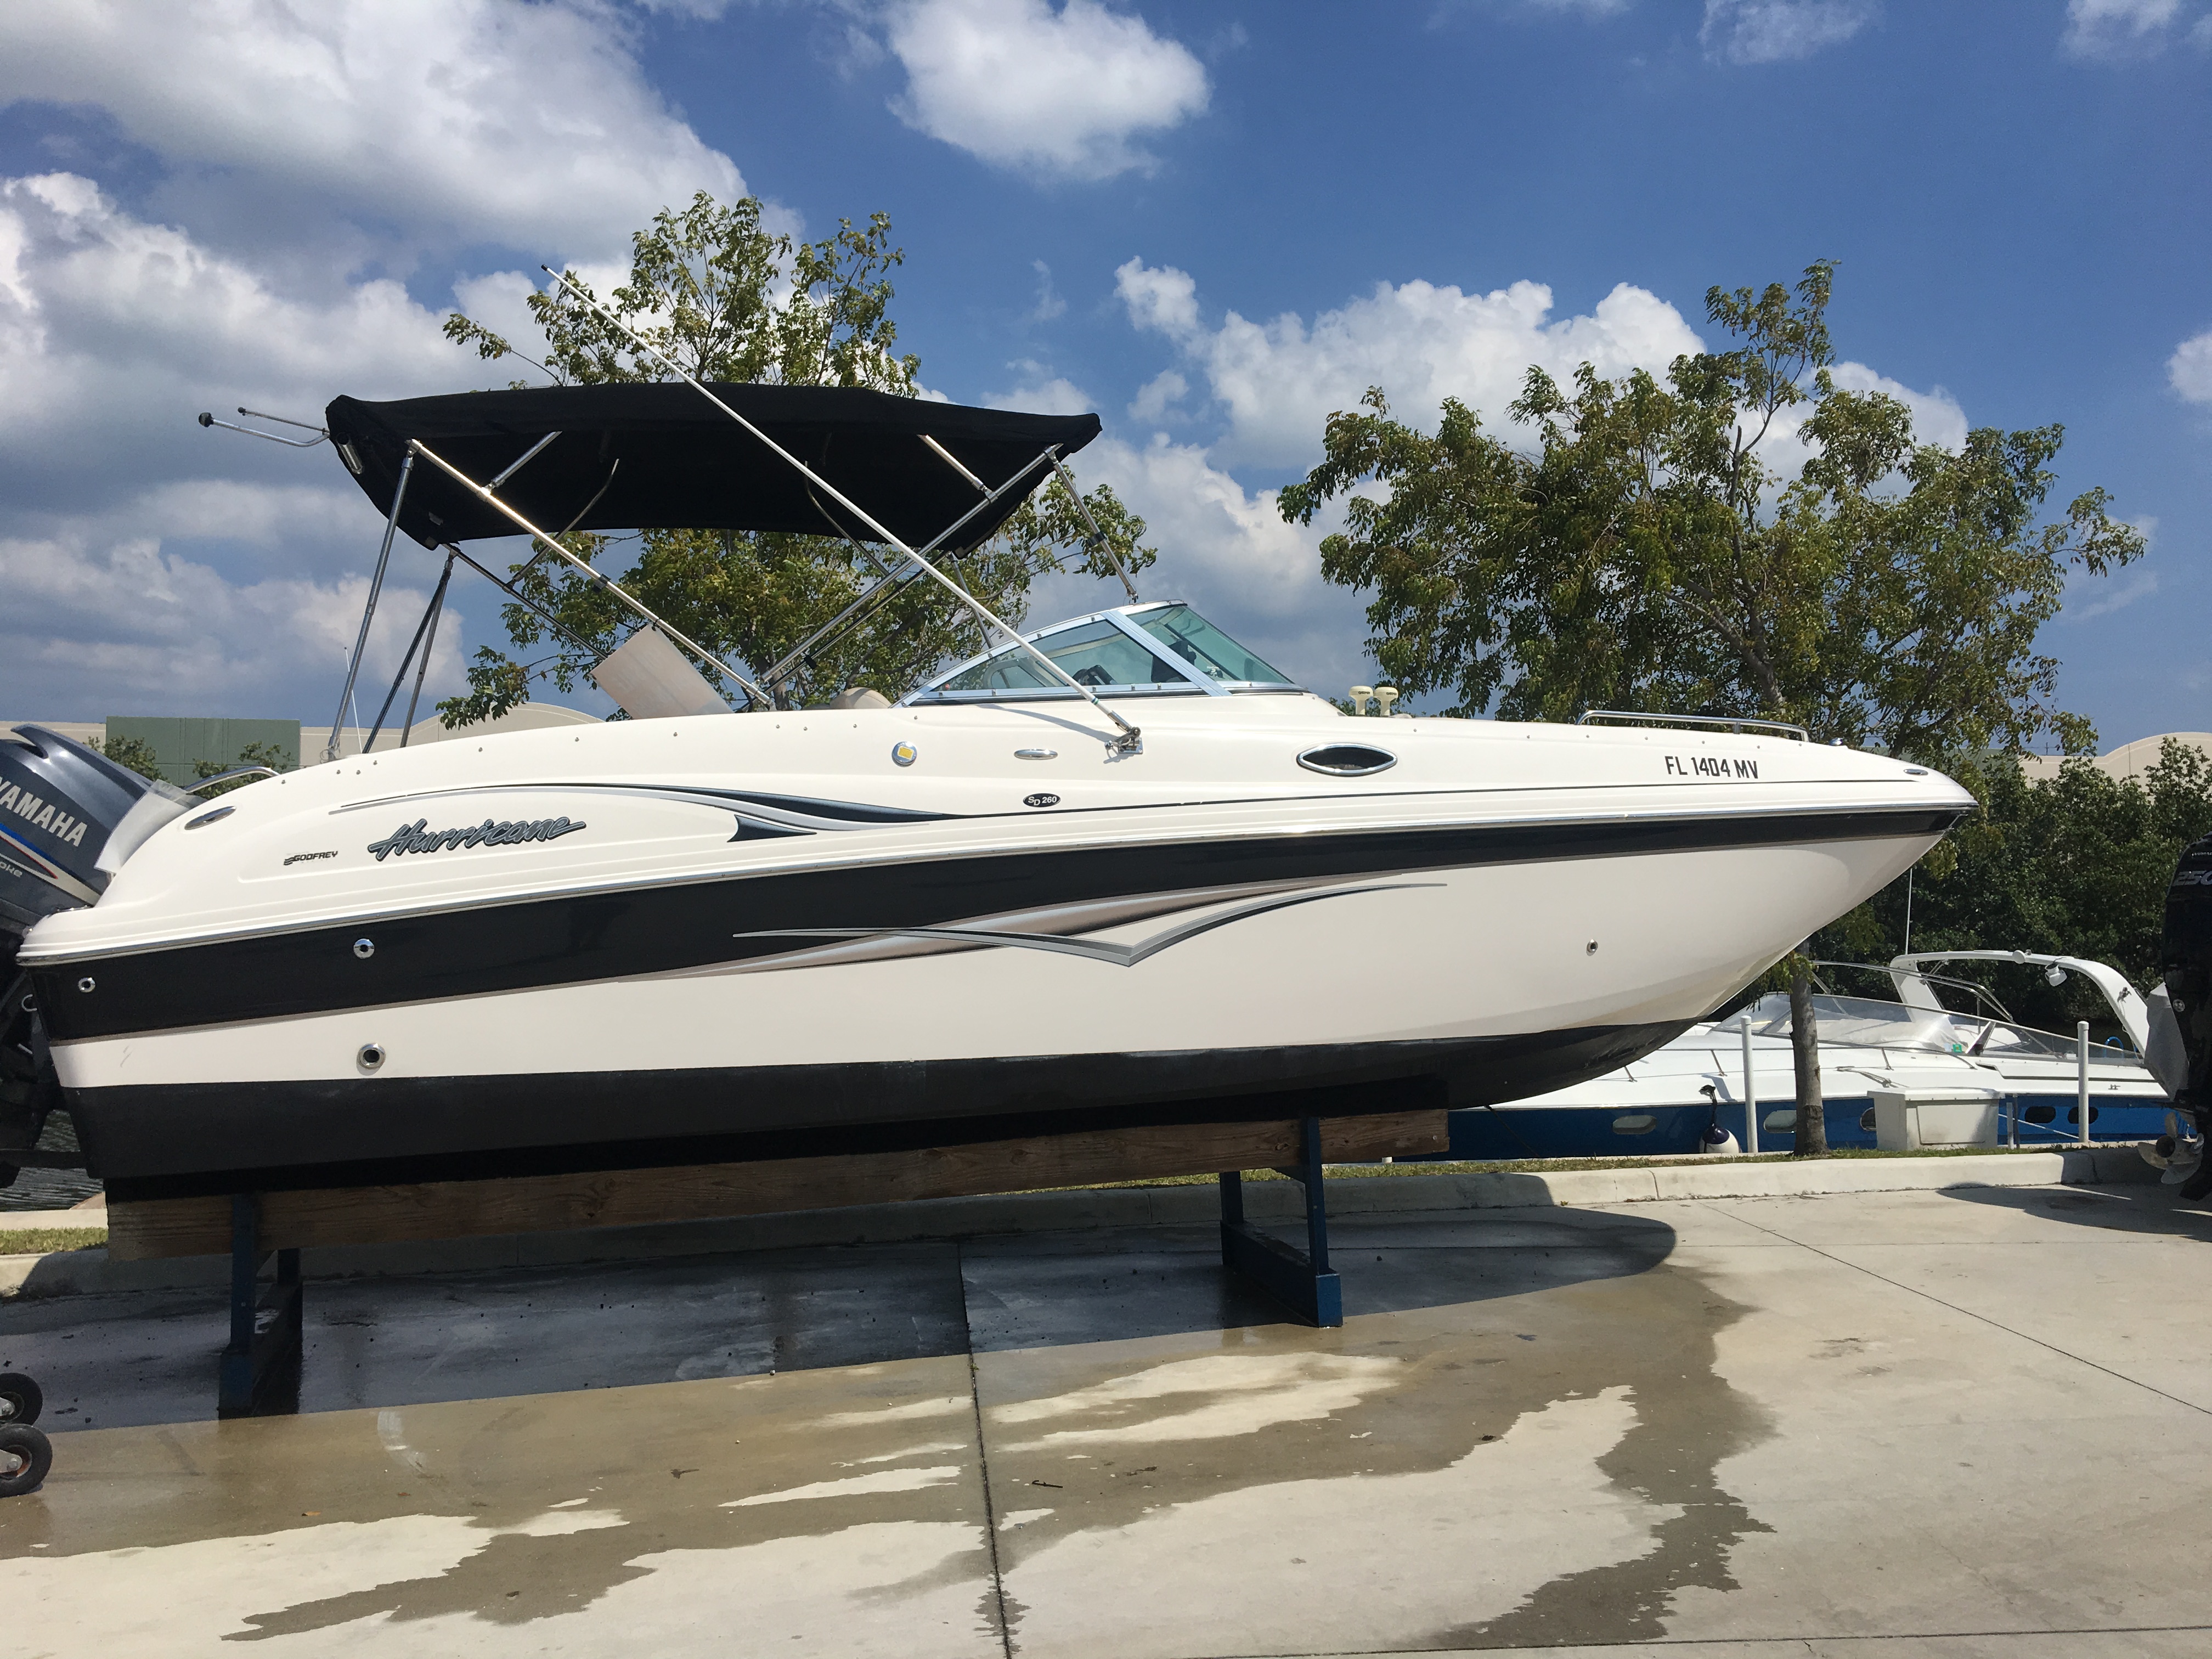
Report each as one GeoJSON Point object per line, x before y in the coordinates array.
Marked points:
{"type": "Point", "coordinates": [1212, 224]}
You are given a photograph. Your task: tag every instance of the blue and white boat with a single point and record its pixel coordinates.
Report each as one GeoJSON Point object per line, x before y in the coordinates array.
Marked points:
{"type": "Point", "coordinates": [1684, 1095]}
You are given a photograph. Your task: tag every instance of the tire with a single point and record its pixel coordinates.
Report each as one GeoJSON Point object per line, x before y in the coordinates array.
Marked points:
{"type": "Point", "coordinates": [20, 1399]}
{"type": "Point", "coordinates": [26, 1456]}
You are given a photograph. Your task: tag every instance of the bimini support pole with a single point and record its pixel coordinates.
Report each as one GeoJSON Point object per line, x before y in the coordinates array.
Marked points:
{"type": "Point", "coordinates": [882, 585]}
{"type": "Point", "coordinates": [422, 669]}
{"type": "Point", "coordinates": [1130, 740]}
{"type": "Point", "coordinates": [1091, 524]}
{"type": "Point", "coordinates": [593, 649]}
{"type": "Point", "coordinates": [368, 610]}
{"type": "Point", "coordinates": [415, 447]}
{"type": "Point", "coordinates": [399, 676]}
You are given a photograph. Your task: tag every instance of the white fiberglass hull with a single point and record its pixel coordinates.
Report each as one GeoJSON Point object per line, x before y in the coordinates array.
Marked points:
{"type": "Point", "coordinates": [764, 925]}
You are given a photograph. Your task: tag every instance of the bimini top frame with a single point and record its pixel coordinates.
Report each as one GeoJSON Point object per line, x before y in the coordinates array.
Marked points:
{"type": "Point", "coordinates": [679, 468]}
{"type": "Point", "coordinates": [637, 456]}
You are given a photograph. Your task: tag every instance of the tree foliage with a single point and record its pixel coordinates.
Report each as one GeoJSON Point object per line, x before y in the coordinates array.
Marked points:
{"type": "Point", "coordinates": [1645, 547]}
{"type": "Point", "coordinates": [729, 299]}
{"type": "Point", "coordinates": [133, 753]}
{"type": "Point", "coordinates": [2073, 864]}
{"type": "Point", "coordinates": [254, 754]}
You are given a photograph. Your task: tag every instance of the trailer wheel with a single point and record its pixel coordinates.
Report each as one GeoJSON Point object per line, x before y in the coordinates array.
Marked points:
{"type": "Point", "coordinates": [20, 1399]}
{"type": "Point", "coordinates": [25, 1454]}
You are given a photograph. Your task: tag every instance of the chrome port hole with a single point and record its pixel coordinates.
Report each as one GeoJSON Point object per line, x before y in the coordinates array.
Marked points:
{"type": "Point", "coordinates": [1347, 760]}
{"type": "Point", "coordinates": [364, 948]}
{"type": "Point", "coordinates": [1635, 1123]}
{"type": "Point", "coordinates": [371, 1056]}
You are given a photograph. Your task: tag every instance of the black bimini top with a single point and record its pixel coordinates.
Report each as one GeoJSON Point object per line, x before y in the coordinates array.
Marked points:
{"type": "Point", "coordinates": [656, 455]}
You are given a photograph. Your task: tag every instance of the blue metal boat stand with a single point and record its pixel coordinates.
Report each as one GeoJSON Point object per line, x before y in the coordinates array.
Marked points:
{"type": "Point", "coordinates": [260, 1373]}
{"type": "Point", "coordinates": [1299, 1279]}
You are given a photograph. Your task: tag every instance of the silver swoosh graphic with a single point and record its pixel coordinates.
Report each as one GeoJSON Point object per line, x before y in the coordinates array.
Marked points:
{"type": "Point", "coordinates": [1121, 956]}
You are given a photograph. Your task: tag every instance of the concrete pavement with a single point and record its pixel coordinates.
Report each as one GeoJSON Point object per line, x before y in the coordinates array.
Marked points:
{"type": "Point", "coordinates": [1953, 1423]}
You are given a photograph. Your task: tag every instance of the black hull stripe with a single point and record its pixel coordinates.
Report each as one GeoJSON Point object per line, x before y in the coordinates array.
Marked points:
{"type": "Point", "coordinates": [579, 939]}
{"type": "Point", "coordinates": [149, 1141]}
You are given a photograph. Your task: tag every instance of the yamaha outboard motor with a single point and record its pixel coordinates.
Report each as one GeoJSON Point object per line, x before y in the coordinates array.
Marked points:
{"type": "Point", "coordinates": [68, 817]}
{"type": "Point", "coordinates": [2185, 1048]}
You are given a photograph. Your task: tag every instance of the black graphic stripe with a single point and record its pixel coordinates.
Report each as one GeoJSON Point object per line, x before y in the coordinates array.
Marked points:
{"type": "Point", "coordinates": [152, 1140]}
{"type": "Point", "coordinates": [608, 935]}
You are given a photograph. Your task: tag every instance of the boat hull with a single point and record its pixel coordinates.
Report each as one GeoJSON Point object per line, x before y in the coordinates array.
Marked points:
{"type": "Point", "coordinates": [720, 936]}
{"type": "Point", "coordinates": [1515, 974]}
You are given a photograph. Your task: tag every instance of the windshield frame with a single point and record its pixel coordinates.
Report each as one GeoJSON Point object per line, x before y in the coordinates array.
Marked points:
{"type": "Point", "coordinates": [1194, 682]}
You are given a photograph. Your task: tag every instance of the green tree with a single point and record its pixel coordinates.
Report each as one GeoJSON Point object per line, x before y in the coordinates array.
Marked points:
{"type": "Point", "coordinates": [254, 754]}
{"type": "Point", "coordinates": [729, 299]}
{"type": "Point", "coordinates": [1643, 547]}
{"type": "Point", "coordinates": [2073, 864]}
{"type": "Point", "coordinates": [134, 753]}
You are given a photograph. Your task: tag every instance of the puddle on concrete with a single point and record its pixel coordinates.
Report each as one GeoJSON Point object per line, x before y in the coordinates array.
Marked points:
{"type": "Point", "coordinates": [1526, 1470]}
{"type": "Point", "coordinates": [1515, 1446]}
{"type": "Point", "coordinates": [1208, 1398]}
{"type": "Point", "coordinates": [676, 1508]}
{"type": "Point", "coordinates": [1686, 1425]}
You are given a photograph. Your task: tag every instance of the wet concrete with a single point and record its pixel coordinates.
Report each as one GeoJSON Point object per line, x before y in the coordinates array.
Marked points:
{"type": "Point", "coordinates": [1941, 1424]}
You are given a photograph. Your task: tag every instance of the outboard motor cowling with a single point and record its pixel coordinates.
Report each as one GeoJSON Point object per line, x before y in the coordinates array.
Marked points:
{"type": "Point", "coordinates": [2186, 958]}
{"type": "Point", "coordinates": [69, 818]}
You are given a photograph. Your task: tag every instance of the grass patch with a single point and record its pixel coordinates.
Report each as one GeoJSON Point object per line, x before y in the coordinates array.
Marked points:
{"type": "Point", "coordinates": [39, 1241]}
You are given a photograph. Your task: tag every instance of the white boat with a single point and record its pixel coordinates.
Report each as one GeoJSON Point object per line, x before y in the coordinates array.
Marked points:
{"type": "Point", "coordinates": [1684, 1095]}
{"type": "Point", "coordinates": [1116, 870]}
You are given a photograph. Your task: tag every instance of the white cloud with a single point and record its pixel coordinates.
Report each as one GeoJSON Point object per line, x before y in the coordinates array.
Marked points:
{"type": "Point", "coordinates": [114, 331]}
{"type": "Point", "coordinates": [1064, 92]}
{"type": "Point", "coordinates": [1049, 305]}
{"type": "Point", "coordinates": [126, 628]}
{"type": "Point", "coordinates": [1774, 31]}
{"type": "Point", "coordinates": [1158, 396]}
{"type": "Point", "coordinates": [1278, 382]}
{"type": "Point", "coordinates": [492, 120]}
{"type": "Point", "coordinates": [2118, 28]}
{"type": "Point", "coordinates": [2190, 369]}
{"type": "Point", "coordinates": [1040, 391]}
{"type": "Point", "coordinates": [291, 158]}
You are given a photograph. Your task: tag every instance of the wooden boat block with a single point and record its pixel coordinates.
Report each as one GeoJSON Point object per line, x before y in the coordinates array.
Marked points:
{"type": "Point", "coordinates": [150, 1228]}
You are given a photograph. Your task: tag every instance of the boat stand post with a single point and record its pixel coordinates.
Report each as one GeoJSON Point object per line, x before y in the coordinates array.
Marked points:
{"type": "Point", "coordinates": [260, 1370]}
{"type": "Point", "coordinates": [2081, 1081]}
{"type": "Point", "coordinates": [1300, 1280]}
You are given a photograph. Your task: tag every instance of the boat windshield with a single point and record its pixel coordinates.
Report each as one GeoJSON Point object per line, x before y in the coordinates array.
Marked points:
{"type": "Point", "coordinates": [1145, 650]}
{"type": "Point", "coordinates": [1205, 647]}
{"type": "Point", "coordinates": [1095, 654]}
{"type": "Point", "coordinates": [1866, 1022]}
